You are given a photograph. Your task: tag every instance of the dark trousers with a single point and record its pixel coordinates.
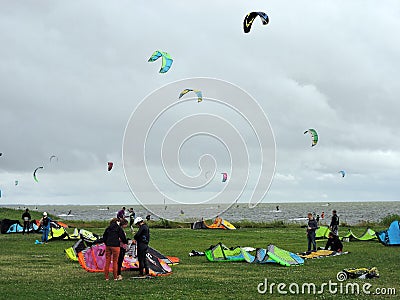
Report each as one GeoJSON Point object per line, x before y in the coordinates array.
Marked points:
{"type": "Point", "coordinates": [311, 240]}
{"type": "Point", "coordinates": [120, 259]}
{"type": "Point", "coordinates": [141, 254]}
{"type": "Point", "coordinates": [26, 226]}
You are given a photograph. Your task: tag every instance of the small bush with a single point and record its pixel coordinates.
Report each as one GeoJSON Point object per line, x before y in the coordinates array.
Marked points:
{"type": "Point", "coordinates": [389, 219]}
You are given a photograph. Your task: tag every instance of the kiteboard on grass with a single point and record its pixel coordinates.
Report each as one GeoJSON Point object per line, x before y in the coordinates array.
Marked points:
{"type": "Point", "coordinates": [142, 277]}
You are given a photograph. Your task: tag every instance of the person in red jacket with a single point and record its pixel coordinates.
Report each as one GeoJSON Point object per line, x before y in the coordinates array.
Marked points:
{"type": "Point", "coordinates": [112, 237]}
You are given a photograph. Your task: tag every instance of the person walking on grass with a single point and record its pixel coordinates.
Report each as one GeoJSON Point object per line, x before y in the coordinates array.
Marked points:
{"type": "Point", "coordinates": [26, 216]}
{"type": "Point", "coordinates": [45, 222]}
{"type": "Point", "coordinates": [311, 228]}
{"type": "Point", "coordinates": [113, 236]}
{"type": "Point", "coordinates": [142, 238]}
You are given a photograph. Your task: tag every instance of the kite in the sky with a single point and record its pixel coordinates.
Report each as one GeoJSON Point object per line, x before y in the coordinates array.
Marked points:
{"type": "Point", "coordinates": [314, 136]}
{"type": "Point", "coordinates": [166, 60]}
{"type": "Point", "coordinates": [16, 182]}
{"type": "Point", "coordinates": [342, 172]}
{"type": "Point", "coordinates": [110, 165]}
{"type": "Point", "coordinates": [249, 19]}
{"type": "Point", "coordinates": [224, 177]}
{"type": "Point", "coordinates": [198, 93]}
{"type": "Point", "coordinates": [53, 157]}
{"type": "Point", "coordinates": [34, 173]}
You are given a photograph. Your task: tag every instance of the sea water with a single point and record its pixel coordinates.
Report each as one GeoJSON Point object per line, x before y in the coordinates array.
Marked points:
{"type": "Point", "coordinates": [351, 213]}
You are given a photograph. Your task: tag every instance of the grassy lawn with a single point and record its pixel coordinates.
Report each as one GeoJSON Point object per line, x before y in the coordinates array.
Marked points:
{"type": "Point", "coordinates": [43, 272]}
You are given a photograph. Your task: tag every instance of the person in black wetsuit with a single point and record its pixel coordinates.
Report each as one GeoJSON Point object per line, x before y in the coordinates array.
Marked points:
{"type": "Point", "coordinates": [142, 238]}
{"type": "Point", "coordinates": [26, 216]}
{"type": "Point", "coordinates": [311, 227]}
{"type": "Point", "coordinates": [334, 226]}
{"type": "Point", "coordinates": [132, 217]}
{"type": "Point", "coordinates": [334, 243]}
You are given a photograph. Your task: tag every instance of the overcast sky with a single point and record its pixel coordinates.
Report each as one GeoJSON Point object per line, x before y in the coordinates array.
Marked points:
{"type": "Point", "coordinates": [72, 73]}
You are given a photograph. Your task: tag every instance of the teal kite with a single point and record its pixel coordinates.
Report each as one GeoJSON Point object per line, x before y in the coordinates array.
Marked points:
{"type": "Point", "coordinates": [314, 136]}
{"type": "Point", "coordinates": [166, 60]}
{"type": "Point", "coordinates": [198, 93]}
{"type": "Point", "coordinates": [342, 172]}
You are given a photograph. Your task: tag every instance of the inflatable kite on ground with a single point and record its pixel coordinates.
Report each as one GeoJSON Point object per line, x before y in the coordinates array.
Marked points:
{"type": "Point", "coordinates": [14, 226]}
{"type": "Point", "coordinates": [314, 136]}
{"type": "Point", "coordinates": [249, 19]}
{"type": "Point", "coordinates": [34, 173]}
{"type": "Point", "coordinates": [92, 259]}
{"type": "Point", "coordinates": [110, 165]}
{"type": "Point", "coordinates": [368, 235]}
{"type": "Point", "coordinates": [198, 93]}
{"type": "Point", "coordinates": [219, 223]}
{"type": "Point", "coordinates": [322, 232]}
{"type": "Point", "coordinates": [272, 254]}
{"type": "Point", "coordinates": [166, 60]}
{"type": "Point", "coordinates": [390, 236]}
{"type": "Point", "coordinates": [343, 173]}
{"type": "Point", "coordinates": [224, 177]}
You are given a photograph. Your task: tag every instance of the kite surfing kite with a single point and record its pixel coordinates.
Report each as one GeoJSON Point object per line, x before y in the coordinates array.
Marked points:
{"type": "Point", "coordinates": [314, 136]}
{"type": "Point", "coordinates": [342, 172]}
{"type": "Point", "coordinates": [110, 165]}
{"type": "Point", "coordinates": [166, 60]}
{"type": "Point", "coordinates": [34, 173]}
{"type": "Point", "coordinates": [224, 177]}
{"type": "Point", "coordinates": [249, 19]}
{"type": "Point", "coordinates": [198, 93]}
{"type": "Point", "coordinates": [53, 157]}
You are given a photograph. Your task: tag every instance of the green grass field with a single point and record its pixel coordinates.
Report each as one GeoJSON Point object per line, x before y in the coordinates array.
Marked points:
{"type": "Point", "coordinates": [43, 271]}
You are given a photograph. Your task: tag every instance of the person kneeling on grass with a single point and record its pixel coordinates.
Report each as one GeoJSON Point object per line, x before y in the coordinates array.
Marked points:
{"type": "Point", "coordinates": [334, 243]}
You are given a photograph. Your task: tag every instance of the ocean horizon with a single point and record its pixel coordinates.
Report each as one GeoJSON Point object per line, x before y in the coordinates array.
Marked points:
{"type": "Point", "coordinates": [351, 213]}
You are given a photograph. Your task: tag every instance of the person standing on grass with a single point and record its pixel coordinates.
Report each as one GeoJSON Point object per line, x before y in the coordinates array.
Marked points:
{"type": "Point", "coordinates": [45, 222]}
{"type": "Point", "coordinates": [142, 238]}
{"type": "Point", "coordinates": [132, 217]}
{"type": "Point", "coordinates": [311, 228]}
{"type": "Point", "coordinates": [122, 249]}
{"type": "Point", "coordinates": [334, 226]}
{"type": "Point", "coordinates": [26, 216]}
{"type": "Point", "coordinates": [113, 236]}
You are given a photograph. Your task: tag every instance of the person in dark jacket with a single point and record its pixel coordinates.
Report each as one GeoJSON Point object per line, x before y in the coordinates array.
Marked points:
{"type": "Point", "coordinates": [26, 216]}
{"type": "Point", "coordinates": [142, 238]}
{"type": "Point", "coordinates": [334, 226]}
{"type": "Point", "coordinates": [311, 228]}
{"type": "Point", "coordinates": [112, 237]}
{"type": "Point", "coordinates": [334, 243]}
{"type": "Point", "coordinates": [122, 249]}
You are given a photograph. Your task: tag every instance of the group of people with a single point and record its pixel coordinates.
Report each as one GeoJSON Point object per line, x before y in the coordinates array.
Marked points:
{"type": "Point", "coordinates": [117, 243]}
{"type": "Point", "coordinates": [333, 242]}
{"type": "Point", "coordinates": [44, 222]}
